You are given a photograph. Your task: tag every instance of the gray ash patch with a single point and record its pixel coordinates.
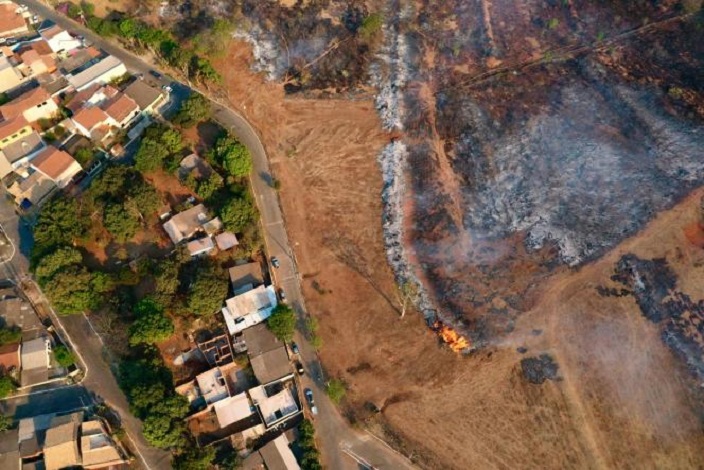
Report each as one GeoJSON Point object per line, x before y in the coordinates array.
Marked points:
{"type": "Point", "coordinates": [653, 284]}
{"type": "Point", "coordinates": [537, 370]}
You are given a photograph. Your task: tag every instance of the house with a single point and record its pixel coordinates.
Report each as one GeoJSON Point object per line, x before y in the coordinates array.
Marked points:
{"type": "Point", "coordinates": [35, 357]}
{"type": "Point", "coordinates": [32, 190]}
{"type": "Point", "coordinates": [94, 95]}
{"type": "Point", "coordinates": [186, 224]}
{"type": "Point", "coordinates": [9, 357]}
{"type": "Point", "coordinates": [12, 22]}
{"type": "Point", "coordinates": [212, 385]}
{"type": "Point", "coordinates": [271, 366]}
{"type": "Point", "coordinates": [233, 409]}
{"type": "Point", "coordinates": [194, 164]}
{"type": "Point", "coordinates": [57, 165]}
{"type": "Point", "coordinates": [147, 98]}
{"type": "Point", "coordinates": [10, 77]}
{"type": "Point", "coordinates": [55, 83]}
{"type": "Point", "coordinates": [259, 339]}
{"type": "Point", "coordinates": [249, 308]}
{"type": "Point", "coordinates": [122, 109]}
{"type": "Point", "coordinates": [274, 406]}
{"type": "Point", "coordinates": [60, 40]}
{"type": "Point", "coordinates": [33, 105]}
{"type": "Point", "coordinates": [200, 246]}
{"type": "Point", "coordinates": [13, 129]}
{"type": "Point", "coordinates": [18, 313]}
{"type": "Point", "coordinates": [19, 152]}
{"type": "Point", "coordinates": [102, 72]}
{"type": "Point", "coordinates": [80, 59]}
{"type": "Point", "coordinates": [61, 442]}
{"type": "Point", "coordinates": [10, 450]}
{"type": "Point", "coordinates": [98, 451]}
{"type": "Point", "coordinates": [213, 226]}
{"type": "Point", "coordinates": [34, 63]}
{"type": "Point", "coordinates": [89, 121]}
{"type": "Point", "coordinates": [245, 277]}
{"type": "Point", "coordinates": [276, 455]}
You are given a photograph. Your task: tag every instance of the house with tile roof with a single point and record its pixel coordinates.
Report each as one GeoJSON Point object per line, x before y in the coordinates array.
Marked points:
{"type": "Point", "coordinates": [56, 165]}
{"type": "Point", "coordinates": [12, 130]}
{"type": "Point", "coordinates": [61, 442]}
{"type": "Point", "coordinates": [101, 72]}
{"type": "Point", "coordinates": [90, 120]}
{"type": "Point", "coordinates": [60, 40]}
{"type": "Point", "coordinates": [10, 77]}
{"type": "Point", "coordinates": [33, 105]}
{"type": "Point", "coordinates": [34, 63]}
{"type": "Point", "coordinates": [122, 109]}
{"type": "Point", "coordinates": [147, 97]}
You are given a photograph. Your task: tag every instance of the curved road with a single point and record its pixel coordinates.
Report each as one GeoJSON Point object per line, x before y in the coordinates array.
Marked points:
{"type": "Point", "coordinates": [340, 445]}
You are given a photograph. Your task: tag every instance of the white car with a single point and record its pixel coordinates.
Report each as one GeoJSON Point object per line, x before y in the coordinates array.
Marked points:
{"type": "Point", "coordinates": [167, 88]}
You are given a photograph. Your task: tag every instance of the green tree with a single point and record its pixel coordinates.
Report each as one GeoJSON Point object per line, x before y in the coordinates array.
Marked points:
{"type": "Point", "coordinates": [207, 291]}
{"type": "Point", "coordinates": [166, 277]}
{"type": "Point", "coordinates": [150, 156]}
{"type": "Point", "coordinates": [238, 214]}
{"type": "Point", "coordinates": [10, 335]}
{"type": "Point", "coordinates": [151, 325]}
{"type": "Point", "coordinates": [84, 156]}
{"type": "Point", "coordinates": [371, 26]}
{"type": "Point", "coordinates": [336, 390]}
{"type": "Point", "coordinates": [306, 439]}
{"type": "Point", "coordinates": [195, 458]}
{"type": "Point", "coordinates": [282, 322]}
{"type": "Point", "coordinates": [59, 223]}
{"type": "Point", "coordinates": [88, 9]}
{"type": "Point", "coordinates": [129, 28]}
{"type": "Point", "coordinates": [73, 291]}
{"type": "Point", "coordinates": [233, 156]}
{"type": "Point", "coordinates": [202, 70]}
{"type": "Point", "coordinates": [195, 108]}
{"type": "Point", "coordinates": [208, 187]}
{"type": "Point", "coordinates": [64, 356]}
{"type": "Point", "coordinates": [113, 184]}
{"type": "Point", "coordinates": [162, 431]}
{"type": "Point", "coordinates": [120, 221]}
{"type": "Point", "coordinates": [143, 397]}
{"type": "Point", "coordinates": [144, 199]}
{"type": "Point", "coordinates": [74, 11]}
{"type": "Point", "coordinates": [175, 406]}
{"type": "Point", "coordinates": [7, 386]}
{"type": "Point", "coordinates": [5, 423]}
{"type": "Point", "coordinates": [55, 262]}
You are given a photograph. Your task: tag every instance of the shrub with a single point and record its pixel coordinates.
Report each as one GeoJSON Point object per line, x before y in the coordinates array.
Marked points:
{"type": "Point", "coordinates": [336, 390]}
{"type": "Point", "coordinates": [64, 356]}
{"type": "Point", "coordinates": [282, 322]}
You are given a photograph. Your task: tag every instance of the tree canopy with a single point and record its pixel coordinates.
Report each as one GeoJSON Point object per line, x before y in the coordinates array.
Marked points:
{"type": "Point", "coordinates": [238, 214]}
{"type": "Point", "coordinates": [232, 155]}
{"type": "Point", "coordinates": [160, 144]}
{"type": "Point", "coordinates": [151, 325]}
{"type": "Point", "coordinates": [195, 108]}
{"type": "Point", "coordinates": [55, 262]}
{"type": "Point", "coordinates": [208, 290]}
{"type": "Point", "coordinates": [64, 356]}
{"type": "Point", "coordinates": [59, 223]}
{"type": "Point", "coordinates": [282, 322]}
{"type": "Point", "coordinates": [121, 221]}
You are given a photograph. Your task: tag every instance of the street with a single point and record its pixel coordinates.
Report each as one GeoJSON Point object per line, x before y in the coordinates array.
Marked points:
{"type": "Point", "coordinates": [333, 433]}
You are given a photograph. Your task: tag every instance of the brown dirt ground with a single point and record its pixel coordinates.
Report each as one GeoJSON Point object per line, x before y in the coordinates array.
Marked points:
{"type": "Point", "coordinates": [616, 405]}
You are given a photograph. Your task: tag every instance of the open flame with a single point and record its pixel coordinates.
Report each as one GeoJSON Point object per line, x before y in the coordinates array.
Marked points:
{"type": "Point", "coordinates": [449, 336]}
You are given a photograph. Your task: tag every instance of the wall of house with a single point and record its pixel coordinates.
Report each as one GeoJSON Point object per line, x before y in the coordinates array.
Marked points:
{"type": "Point", "coordinates": [8, 140]}
{"type": "Point", "coordinates": [9, 79]}
{"type": "Point", "coordinates": [44, 110]}
{"type": "Point", "coordinates": [66, 177]}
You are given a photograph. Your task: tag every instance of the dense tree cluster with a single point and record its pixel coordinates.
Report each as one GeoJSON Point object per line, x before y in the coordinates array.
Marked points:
{"type": "Point", "coordinates": [282, 322]}
{"type": "Point", "coordinates": [208, 290]}
{"type": "Point", "coordinates": [306, 439]}
{"type": "Point", "coordinates": [64, 357]}
{"type": "Point", "coordinates": [151, 324]}
{"type": "Point", "coordinates": [232, 155]}
{"type": "Point", "coordinates": [194, 109]}
{"type": "Point", "coordinates": [160, 148]}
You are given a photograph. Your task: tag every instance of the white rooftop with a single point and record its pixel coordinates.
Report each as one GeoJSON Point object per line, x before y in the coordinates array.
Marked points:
{"type": "Point", "coordinates": [233, 409]}
{"type": "Point", "coordinates": [212, 385]}
{"type": "Point", "coordinates": [249, 309]}
{"type": "Point", "coordinates": [275, 408]}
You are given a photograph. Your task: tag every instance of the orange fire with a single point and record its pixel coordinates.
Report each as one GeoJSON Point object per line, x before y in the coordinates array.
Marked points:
{"type": "Point", "coordinates": [450, 337]}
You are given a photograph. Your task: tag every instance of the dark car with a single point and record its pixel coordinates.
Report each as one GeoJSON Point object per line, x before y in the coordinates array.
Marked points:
{"type": "Point", "coordinates": [275, 262]}
{"type": "Point", "coordinates": [294, 348]}
{"type": "Point", "coordinates": [154, 74]}
{"type": "Point", "coordinates": [309, 397]}
{"type": "Point", "coordinates": [299, 368]}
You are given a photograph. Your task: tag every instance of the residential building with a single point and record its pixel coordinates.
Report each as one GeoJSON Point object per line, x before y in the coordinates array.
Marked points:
{"type": "Point", "coordinates": [193, 163]}
{"type": "Point", "coordinates": [249, 308]}
{"type": "Point", "coordinates": [122, 109]}
{"type": "Point", "coordinates": [94, 95]}
{"type": "Point", "coordinates": [57, 165]}
{"type": "Point", "coordinates": [61, 442]}
{"type": "Point", "coordinates": [12, 22]}
{"type": "Point", "coordinates": [276, 455]}
{"type": "Point", "coordinates": [102, 72]}
{"type": "Point", "coordinates": [18, 313]}
{"type": "Point", "coordinates": [233, 409]}
{"type": "Point", "coordinates": [185, 224]}
{"type": "Point", "coordinates": [34, 63]}
{"type": "Point", "coordinates": [275, 405]}
{"type": "Point", "coordinates": [259, 339]}
{"type": "Point", "coordinates": [33, 105]}
{"type": "Point", "coordinates": [10, 77]}
{"type": "Point", "coordinates": [200, 246]}
{"type": "Point", "coordinates": [271, 366]}
{"type": "Point", "coordinates": [32, 190]}
{"type": "Point", "coordinates": [9, 450]}
{"type": "Point", "coordinates": [19, 152]}
{"type": "Point", "coordinates": [9, 357]}
{"type": "Point", "coordinates": [35, 357]}
{"type": "Point", "coordinates": [59, 40]}
{"type": "Point", "coordinates": [13, 129]}
{"type": "Point", "coordinates": [212, 385]}
{"type": "Point", "coordinates": [226, 240]}
{"type": "Point", "coordinates": [80, 59]}
{"type": "Point", "coordinates": [245, 277]}
{"type": "Point", "coordinates": [147, 98]}
{"type": "Point", "coordinates": [55, 83]}
{"type": "Point", "coordinates": [98, 450]}
{"type": "Point", "coordinates": [90, 120]}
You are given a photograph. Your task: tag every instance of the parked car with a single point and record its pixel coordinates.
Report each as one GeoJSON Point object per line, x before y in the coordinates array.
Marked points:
{"type": "Point", "coordinates": [299, 368]}
{"type": "Point", "coordinates": [167, 88]}
{"type": "Point", "coordinates": [154, 74]}
{"type": "Point", "coordinates": [282, 295]}
{"type": "Point", "coordinates": [294, 348]}
{"type": "Point", "coordinates": [309, 397]}
{"type": "Point", "coordinates": [275, 262]}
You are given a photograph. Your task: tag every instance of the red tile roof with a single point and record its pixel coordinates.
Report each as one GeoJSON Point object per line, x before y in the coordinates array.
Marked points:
{"type": "Point", "coordinates": [120, 107]}
{"type": "Point", "coordinates": [90, 117]}
{"type": "Point", "coordinates": [24, 102]}
{"type": "Point", "coordinates": [12, 125]}
{"type": "Point", "coordinates": [53, 162]}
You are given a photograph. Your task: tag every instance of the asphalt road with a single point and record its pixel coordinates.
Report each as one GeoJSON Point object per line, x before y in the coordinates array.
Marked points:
{"type": "Point", "coordinates": [333, 433]}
